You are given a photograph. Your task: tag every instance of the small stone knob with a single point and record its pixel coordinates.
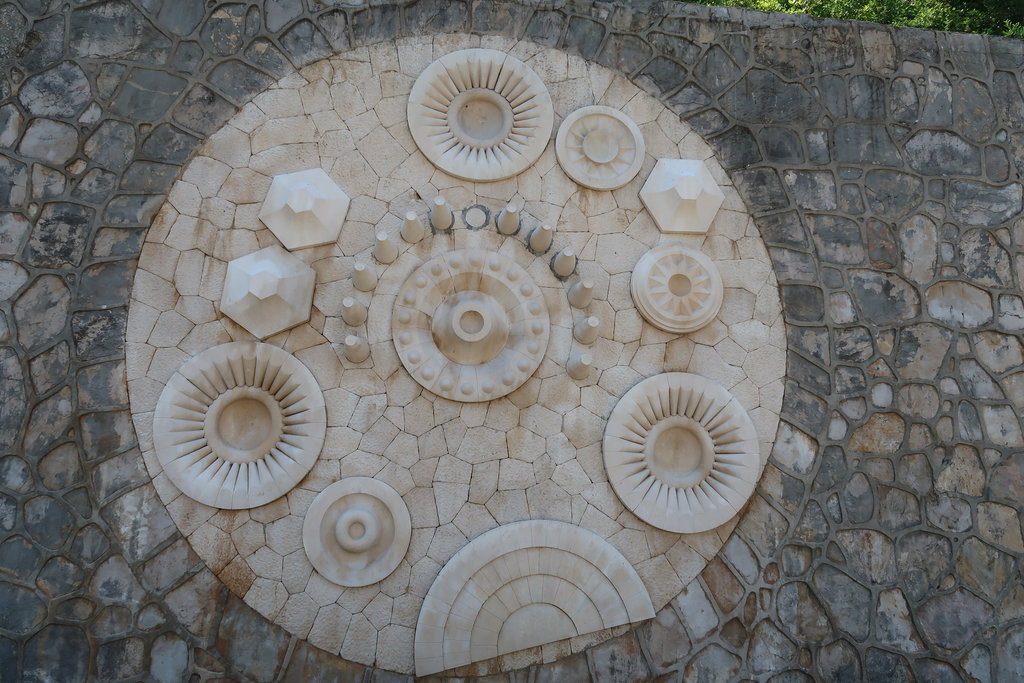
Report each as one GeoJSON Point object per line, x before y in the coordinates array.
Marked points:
{"type": "Point", "coordinates": [384, 249]}
{"type": "Point", "coordinates": [540, 238]}
{"type": "Point", "coordinates": [585, 329]}
{"type": "Point", "coordinates": [352, 312]}
{"type": "Point", "coordinates": [356, 348]}
{"type": "Point", "coordinates": [564, 263]}
{"type": "Point", "coordinates": [581, 293]}
{"type": "Point", "coordinates": [508, 220]}
{"type": "Point", "coordinates": [441, 216]}
{"type": "Point", "coordinates": [579, 365]}
{"type": "Point", "coordinates": [364, 277]}
{"type": "Point", "coordinates": [412, 228]}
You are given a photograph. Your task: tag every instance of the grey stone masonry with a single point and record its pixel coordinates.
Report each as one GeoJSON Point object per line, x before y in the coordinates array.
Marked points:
{"type": "Point", "coordinates": [884, 170]}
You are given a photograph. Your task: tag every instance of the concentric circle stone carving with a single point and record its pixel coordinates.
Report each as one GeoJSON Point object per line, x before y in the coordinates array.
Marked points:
{"type": "Point", "coordinates": [676, 289]}
{"type": "Point", "coordinates": [480, 114]}
{"type": "Point", "coordinates": [356, 531]}
{"type": "Point", "coordinates": [600, 147]}
{"type": "Point", "coordinates": [239, 425]}
{"type": "Point", "coordinates": [470, 325]}
{"type": "Point", "coordinates": [681, 452]}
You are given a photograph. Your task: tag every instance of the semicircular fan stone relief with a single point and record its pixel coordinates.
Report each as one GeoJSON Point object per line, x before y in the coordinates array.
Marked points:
{"type": "Point", "coordinates": [681, 452]}
{"type": "Point", "coordinates": [480, 114]}
{"type": "Point", "coordinates": [600, 147]}
{"type": "Point", "coordinates": [239, 425]}
{"type": "Point", "coordinates": [522, 585]}
{"type": "Point", "coordinates": [676, 289]}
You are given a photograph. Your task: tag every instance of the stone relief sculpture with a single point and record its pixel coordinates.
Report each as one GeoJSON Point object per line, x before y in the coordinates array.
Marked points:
{"type": "Point", "coordinates": [521, 585]}
{"type": "Point", "coordinates": [480, 114]}
{"type": "Point", "coordinates": [239, 425]}
{"type": "Point", "coordinates": [681, 452]}
{"type": "Point", "coordinates": [600, 147]}
{"type": "Point", "coordinates": [305, 209]}
{"type": "Point", "coordinates": [268, 291]}
{"type": "Point", "coordinates": [470, 325]}
{"type": "Point", "coordinates": [682, 196]}
{"type": "Point", "coordinates": [676, 289]}
{"type": "Point", "coordinates": [356, 531]}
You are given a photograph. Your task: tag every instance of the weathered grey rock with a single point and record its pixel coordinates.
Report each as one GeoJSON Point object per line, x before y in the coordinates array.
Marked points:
{"type": "Point", "coordinates": [871, 554]}
{"type": "Point", "coordinates": [892, 194]}
{"type": "Point", "coordinates": [168, 659]}
{"type": "Point", "coordinates": [58, 577]}
{"type": "Point", "coordinates": [884, 298]}
{"type": "Point", "coordinates": [619, 659]}
{"type": "Point", "coordinates": [147, 94]}
{"type": "Point", "coordinates": [848, 602]}
{"type": "Point", "coordinates": [248, 639]}
{"type": "Point", "coordinates": [57, 648]}
{"type": "Point", "coordinates": [838, 661]}
{"type": "Point", "coordinates": [111, 145]}
{"type": "Point", "coordinates": [19, 559]}
{"type": "Point", "coordinates": [761, 97]}
{"type": "Point", "coordinates": [959, 304]}
{"type": "Point", "coordinates": [858, 499]}
{"type": "Point", "coordinates": [59, 236]}
{"type": "Point", "coordinates": [983, 567]}
{"type": "Point", "coordinates": [893, 625]}
{"type": "Point", "coordinates": [62, 91]}
{"type": "Point", "coordinates": [49, 141]}
{"type": "Point", "coordinates": [713, 664]}
{"type": "Point", "coordinates": [886, 666]}
{"type": "Point", "coordinates": [939, 153]}
{"type": "Point", "coordinates": [23, 611]}
{"type": "Point", "coordinates": [921, 350]}
{"type": "Point", "coordinates": [838, 239]}
{"type": "Point", "coordinates": [770, 650]}
{"type": "Point", "coordinates": [1010, 652]}
{"type": "Point", "coordinates": [801, 614]}
{"type": "Point", "coordinates": [952, 620]}
{"type": "Point", "coordinates": [976, 204]}
{"type": "Point", "coordinates": [140, 521]}
{"type": "Point", "coordinates": [91, 34]}
{"type": "Point", "coordinates": [861, 143]}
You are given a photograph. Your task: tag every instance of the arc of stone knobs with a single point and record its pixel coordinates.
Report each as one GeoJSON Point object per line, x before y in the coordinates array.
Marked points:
{"type": "Point", "coordinates": [508, 220]}
{"type": "Point", "coordinates": [581, 293]}
{"type": "Point", "coordinates": [540, 238]}
{"type": "Point", "coordinates": [384, 249]}
{"type": "Point", "coordinates": [364, 277]}
{"type": "Point", "coordinates": [412, 228]}
{"type": "Point", "coordinates": [357, 349]}
{"type": "Point", "coordinates": [352, 311]}
{"type": "Point", "coordinates": [564, 263]}
{"type": "Point", "coordinates": [585, 329]}
{"type": "Point", "coordinates": [442, 217]}
{"type": "Point", "coordinates": [579, 365]}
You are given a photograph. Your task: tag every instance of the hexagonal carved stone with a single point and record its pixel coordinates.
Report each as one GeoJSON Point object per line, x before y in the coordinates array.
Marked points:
{"type": "Point", "coordinates": [682, 196]}
{"type": "Point", "coordinates": [305, 208]}
{"type": "Point", "coordinates": [268, 291]}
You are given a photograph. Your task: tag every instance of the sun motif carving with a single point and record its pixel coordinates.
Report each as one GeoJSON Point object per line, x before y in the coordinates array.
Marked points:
{"type": "Point", "coordinates": [480, 114]}
{"type": "Point", "coordinates": [681, 452]}
{"type": "Point", "coordinates": [239, 425]}
{"type": "Point", "coordinates": [600, 147]}
{"type": "Point", "coordinates": [676, 289]}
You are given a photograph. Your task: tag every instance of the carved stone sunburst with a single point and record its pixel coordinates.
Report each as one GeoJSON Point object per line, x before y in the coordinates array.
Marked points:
{"type": "Point", "coordinates": [600, 147]}
{"type": "Point", "coordinates": [676, 289]}
{"type": "Point", "coordinates": [681, 452]}
{"type": "Point", "coordinates": [480, 114]}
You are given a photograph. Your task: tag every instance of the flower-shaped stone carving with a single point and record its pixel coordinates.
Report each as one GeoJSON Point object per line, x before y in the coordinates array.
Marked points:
{"type": "Point", "coordinates": [305, 209]}
{"type": "Point", "coordinates": [600, 147]}
{"type": "Point", "coordinates": [676, 289]}
{"type": "Point", "coordinates": [268, 291]}
{"type": "Point", "coordinates": [682, 196]}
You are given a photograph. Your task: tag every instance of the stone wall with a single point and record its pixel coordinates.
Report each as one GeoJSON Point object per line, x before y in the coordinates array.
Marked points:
{"type": "Point", "coordinates": [883, 169]}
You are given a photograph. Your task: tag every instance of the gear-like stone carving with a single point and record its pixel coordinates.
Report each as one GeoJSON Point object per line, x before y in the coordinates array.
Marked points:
{"type": "Point", "coordinates": [676, 289]}
{"type": "Point", "coordinates": [682, 196]}
{"type": "Point", "coordinates": [480, 114]}
{"type": "Point", "coordinates": [239, 425]}
{"type": "Point", "coordinates": [356, 531]}
{"type": "Point", "coordinates": [600, 147]}
{"type": "Point", "coordinates": [268, 291]}
{"type": "Point", "coordinates": [470, 325]}
{"type": "Point", "coordinates": [681, 452]}
{"type": "Point", "coordinates": [523, 585]}
{"type": "Point", "coordinates": [305, 209]}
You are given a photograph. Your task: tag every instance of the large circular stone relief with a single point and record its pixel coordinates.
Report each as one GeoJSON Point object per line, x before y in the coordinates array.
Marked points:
{"type": "Point", "coordinates": [681, 452]}
{"type": "Point", "coordinates": [356, 531]}
{"type": "Point", "coordinates": [470, 325]}
{"type": "Point", "coordinates": [239, 425]}
{"type": "Point", "coordinates": [600, 147]}
{"type": "Point", "coordinates": [480, 114]}
{"type": "Point", "coordinates": [676, 289]}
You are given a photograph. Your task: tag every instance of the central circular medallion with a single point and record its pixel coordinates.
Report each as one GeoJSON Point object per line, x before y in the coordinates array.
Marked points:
{"type": "Point", "coordinates": [679, 452]}
{"type": "Point", "coordinates": [480, 118]}
{"type": "Point", "coordinates": [243, 424]}
{"type": "Point", "coordinates": [470, 325]}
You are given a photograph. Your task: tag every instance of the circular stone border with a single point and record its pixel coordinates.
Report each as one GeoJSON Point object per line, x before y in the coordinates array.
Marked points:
{"type": "Point", "coordinates": [452, 109]}
{"type": "Point", "coordinates": [345, 557]}
{"type": "Point", "coordinates": [432, 287]}
{"type": "Point", "coordinates": [582, 160]}
{"type": "Point", "coordinates": [676, 289]}
{"type": "Point", "coordinates": [216, 470]}
{"type": "Point", "coordinates": [656, 427]}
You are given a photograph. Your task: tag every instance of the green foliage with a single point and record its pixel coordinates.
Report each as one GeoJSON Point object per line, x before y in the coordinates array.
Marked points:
{"type": "Point", "coordinates": [999, 17]}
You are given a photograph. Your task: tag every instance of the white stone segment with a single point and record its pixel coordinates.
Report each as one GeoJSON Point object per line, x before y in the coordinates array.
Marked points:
{"type": "Point", "coordinates": [564, 263]}
{"type": "Point", "coordinates": [523, 585]}
{"type": "Point", "coordinates": [540, 238]}
{"type": "Point", "coordinates": [681, 453]}
{"type": "Point", "coordinates": [579, 364]}
{"type": "Point", "coordinates": [356, 531]}
{"type": "Point", "coordinates": [356, 348]}
{"type": "Point", "coordinates": [480, 114]}
{"type": "Point", "coordinates": [508, 220]}
{"type": "Point", "coordinates": [581, 293]}
{"type": "Point", "coordinates": [682, 196]}
{"type": "Point", "coordinates": [268, 291]}
{"type": "Point", "coordinates": [239, 425]}
{"type": "Point", "coordinates": [305, 208]}
{"type": "Point", "coordinates": [585, 330]}
{"type": "Point", "coordinates": [364, 276]}
{"type": "Point", "coordinates": [470, 325]}
{"type": "Point", "coordinates": [441, 216]}
{"type": "Point", "coordinates": [412, 228]}
{"type": "Point", "coordinates": [600, 147]}
{"type": "Point", "coordinates": [677, 289]}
